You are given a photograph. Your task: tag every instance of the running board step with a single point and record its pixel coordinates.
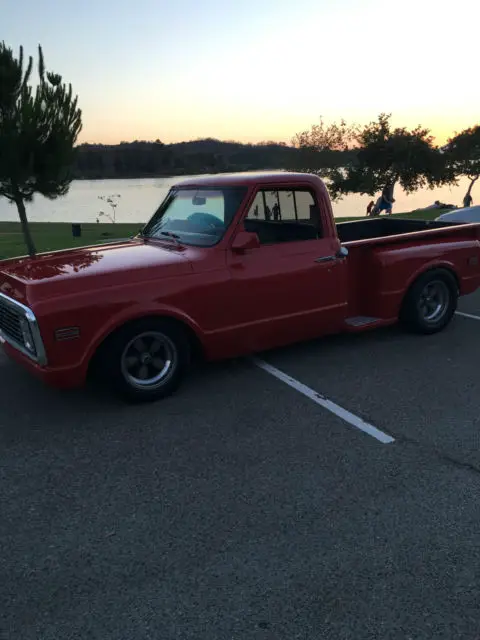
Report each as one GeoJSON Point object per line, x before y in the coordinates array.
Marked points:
{"type": "Point", "coordinates": [361, 321]}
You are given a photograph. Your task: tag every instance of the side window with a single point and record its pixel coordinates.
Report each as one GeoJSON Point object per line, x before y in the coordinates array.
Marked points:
{"type": "Point", "coordinates": [257, 210]}
{"type": "Point", "coordinates": [284, 215]}
{"type": "Point", "coordinates": [287, 201]}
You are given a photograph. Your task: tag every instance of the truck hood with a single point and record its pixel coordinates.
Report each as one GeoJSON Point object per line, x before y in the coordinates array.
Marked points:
{"type": "Point", "coordinates": [73, 270]}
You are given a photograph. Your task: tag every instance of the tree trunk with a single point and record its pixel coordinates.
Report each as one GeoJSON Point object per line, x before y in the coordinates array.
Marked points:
{"type": "Point", "coordinates": [387, 190]}
{"type": "Point", "coordinates": [25, 228]}
{"type": "Point", "coordinates": [472, 182]}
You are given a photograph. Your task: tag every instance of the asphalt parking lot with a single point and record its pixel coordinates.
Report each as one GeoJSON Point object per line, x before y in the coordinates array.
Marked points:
{"type": "Point", "coordinates": [247, 506]}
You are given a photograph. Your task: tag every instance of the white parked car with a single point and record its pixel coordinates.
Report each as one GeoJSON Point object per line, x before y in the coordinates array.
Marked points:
{"type": "Point", "coordinates": [467, 214]}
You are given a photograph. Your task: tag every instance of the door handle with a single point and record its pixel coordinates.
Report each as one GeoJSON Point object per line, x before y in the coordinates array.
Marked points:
{"type": "Point", "coordinates": [326, 259]}
{"type": "Point", "coordinates": [340, 255]}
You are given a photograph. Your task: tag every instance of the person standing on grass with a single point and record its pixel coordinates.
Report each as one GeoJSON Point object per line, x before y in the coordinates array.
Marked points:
{"type": "Point", "coordinates": [386, 200]}
{"type": "Point", "coordinates": [276, 212]}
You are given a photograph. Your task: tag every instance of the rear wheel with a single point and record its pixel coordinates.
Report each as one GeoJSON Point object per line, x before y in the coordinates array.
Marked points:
{"type": "Point", "coordinates": [146, 360]}
{"type": "Point", "coordinates": [431, 302]}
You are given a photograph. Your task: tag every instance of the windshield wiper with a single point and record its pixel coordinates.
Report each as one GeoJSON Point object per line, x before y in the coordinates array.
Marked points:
{"type": "Point", "coordinates": [169, 234]}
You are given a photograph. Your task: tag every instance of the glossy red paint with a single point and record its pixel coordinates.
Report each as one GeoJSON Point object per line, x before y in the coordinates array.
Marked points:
{"type": "Point", "coordinates": [236, 297]}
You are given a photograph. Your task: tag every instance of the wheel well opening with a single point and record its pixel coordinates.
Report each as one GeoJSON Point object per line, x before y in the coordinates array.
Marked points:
{"type": "Point", "coordinates": [196, 347]}
{"type": "Point", "coordinates": [446, 270]}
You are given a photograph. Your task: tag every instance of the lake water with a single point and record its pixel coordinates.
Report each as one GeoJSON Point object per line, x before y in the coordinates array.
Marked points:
{"type": "Point", "coordinates": [139, 199]}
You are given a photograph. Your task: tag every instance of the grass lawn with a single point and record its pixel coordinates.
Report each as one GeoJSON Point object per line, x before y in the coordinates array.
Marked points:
{"type": "Point", "coordinates": [51, 236]}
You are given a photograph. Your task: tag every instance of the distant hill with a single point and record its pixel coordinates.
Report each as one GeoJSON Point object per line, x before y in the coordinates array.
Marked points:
{"type": "Point", "coordinates": [142, 159]}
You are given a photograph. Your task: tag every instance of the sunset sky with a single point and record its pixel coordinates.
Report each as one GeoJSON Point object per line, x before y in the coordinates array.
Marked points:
{"type": "Point", "coordinates": [256, 69]}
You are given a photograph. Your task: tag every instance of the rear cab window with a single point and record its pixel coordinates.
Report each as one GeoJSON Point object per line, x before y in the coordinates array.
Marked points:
{"type": "Point", "coordinates": [284, 215]}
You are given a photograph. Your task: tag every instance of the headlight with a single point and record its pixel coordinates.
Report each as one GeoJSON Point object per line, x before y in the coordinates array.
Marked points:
{"type": "Point", "coordinates": [27, 335]}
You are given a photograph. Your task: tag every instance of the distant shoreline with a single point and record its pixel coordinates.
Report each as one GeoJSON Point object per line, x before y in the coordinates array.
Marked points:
{"type": "Point", "coordinates": [142, 159]}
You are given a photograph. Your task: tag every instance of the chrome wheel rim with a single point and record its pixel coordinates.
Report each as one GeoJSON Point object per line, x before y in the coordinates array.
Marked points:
{"type": "Point", "coordinates": [434, 300]}
{"type": "Point", "coordinates": [149, 360]}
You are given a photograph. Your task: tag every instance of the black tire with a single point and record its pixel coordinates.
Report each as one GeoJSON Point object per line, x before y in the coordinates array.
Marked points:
{"type": "Point", "coordinates": [427, 314]}
{"type": "Point", "coordinates": [144, 381]}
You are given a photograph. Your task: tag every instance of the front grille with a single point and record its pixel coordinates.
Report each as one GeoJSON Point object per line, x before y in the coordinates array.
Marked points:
{"type": "Point", "coordinates": [10, 323]}
{"type": "Point", "coordinates": [17, 321]}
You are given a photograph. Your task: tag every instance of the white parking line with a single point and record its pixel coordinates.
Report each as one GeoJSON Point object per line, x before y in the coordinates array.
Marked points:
{"type": "Point", "coordinates": [467, 315]}
{"type": "Point", "coordinates": [327, 404]}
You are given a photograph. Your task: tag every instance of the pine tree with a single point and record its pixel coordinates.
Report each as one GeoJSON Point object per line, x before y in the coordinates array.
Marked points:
{"type": "Point", "coordinates": [38, 130]}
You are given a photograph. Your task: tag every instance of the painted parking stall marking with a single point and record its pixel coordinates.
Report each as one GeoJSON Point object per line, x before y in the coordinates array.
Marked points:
{"type": "Point", "coordinates": [467, 315]}
{"type": "Point", "coordinates": [318, 398]}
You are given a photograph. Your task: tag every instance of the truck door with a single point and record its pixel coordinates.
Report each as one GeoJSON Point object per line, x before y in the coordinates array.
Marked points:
{"type": "Point", "coordinates": [294, 286]}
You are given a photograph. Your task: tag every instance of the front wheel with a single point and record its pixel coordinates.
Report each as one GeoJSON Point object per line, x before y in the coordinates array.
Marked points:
{"type": "Point", "coordinates": [146, 360]}
{"type": "Point", "coordinates": [431, 302]}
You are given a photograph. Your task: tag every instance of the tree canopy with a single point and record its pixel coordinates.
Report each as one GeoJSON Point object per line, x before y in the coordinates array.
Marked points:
{"type": "Point", "coordinates": [386, 156]}
{"type": "Point", "coordinates": [378, 156]}
{"type": "Point", "coordinates": [332, 137]}
{"type": "Point", "coordinates": [38, 130]}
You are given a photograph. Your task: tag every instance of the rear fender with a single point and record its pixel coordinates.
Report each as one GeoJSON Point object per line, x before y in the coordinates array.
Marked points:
{"type": "Point", "coordinates": [435, 264]}
{"type": "Point", "coordinates": [392, 291]}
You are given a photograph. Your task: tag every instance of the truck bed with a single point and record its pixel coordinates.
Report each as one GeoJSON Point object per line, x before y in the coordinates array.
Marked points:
{"type": "Point", "coordinates": [378, 262]}
{"type": "Point", "coordinates": [375, 228]}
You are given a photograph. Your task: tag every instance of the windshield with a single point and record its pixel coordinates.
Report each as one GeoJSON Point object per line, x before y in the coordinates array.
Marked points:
{"type": "Point", "coordinates": [195, 216]}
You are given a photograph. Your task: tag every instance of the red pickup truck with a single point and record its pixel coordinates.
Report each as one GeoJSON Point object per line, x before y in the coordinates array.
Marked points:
{"type": "Point", "coordinates": [227, 266]}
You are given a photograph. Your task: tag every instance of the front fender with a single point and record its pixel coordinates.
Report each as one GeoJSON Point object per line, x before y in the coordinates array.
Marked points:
{"type": "Point", "coordinates": [136, 313]}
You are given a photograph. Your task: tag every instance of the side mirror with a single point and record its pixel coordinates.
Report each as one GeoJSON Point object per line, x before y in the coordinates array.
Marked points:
{"type": "Point", "coordinates": [244, 240]}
